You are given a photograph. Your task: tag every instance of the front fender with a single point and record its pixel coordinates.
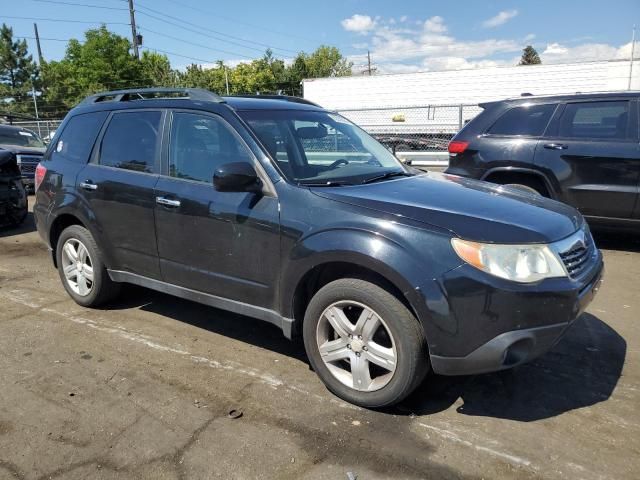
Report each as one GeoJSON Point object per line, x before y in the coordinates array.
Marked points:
{"type": "Point", "coordinates": [412, 271]}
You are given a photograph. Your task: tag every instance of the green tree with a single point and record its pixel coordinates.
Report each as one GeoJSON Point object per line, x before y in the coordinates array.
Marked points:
{"type": "Point", "coordinates": [196, 76]}
{"type": "Point", "coordinates": [254, 77]}
{"type": "Point", "coordinates": [157, 71]}
{"type": "Point", "coordinates": [327, 62]}
{"type": "Point", "coordinates": [18, 73]}
{"type": "Point", "coordinates": [102, 62]}
{"type": "Point", "coordinates": [530, 56]}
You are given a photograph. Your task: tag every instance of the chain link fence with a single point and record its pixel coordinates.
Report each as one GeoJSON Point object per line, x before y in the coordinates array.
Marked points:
{"type": "Point", "coordinates": [44, 128]}
{"type": "Point", "coordinates": [426, 128]}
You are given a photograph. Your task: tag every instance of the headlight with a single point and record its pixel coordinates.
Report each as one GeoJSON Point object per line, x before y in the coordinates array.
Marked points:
{"type": "Point", "coordinates": [519, 263]}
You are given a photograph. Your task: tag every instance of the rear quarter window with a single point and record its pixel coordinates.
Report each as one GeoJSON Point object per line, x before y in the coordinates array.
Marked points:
{"type": "Point", "coordinates": [525, 120]}
{"type": "Point", "coordinates": [76, 140]}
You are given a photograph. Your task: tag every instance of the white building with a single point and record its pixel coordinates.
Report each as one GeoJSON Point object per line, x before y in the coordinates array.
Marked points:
{"type": "Point", "coordinates": [470, 86]}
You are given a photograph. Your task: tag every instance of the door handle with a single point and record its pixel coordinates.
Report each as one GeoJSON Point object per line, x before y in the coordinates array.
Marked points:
{"type": "Point", "coordinates": [167, 202]}
{"type": "Point", "coordinates": [88, 185]}
{"type": "Point", "coordinates": [555, 146]}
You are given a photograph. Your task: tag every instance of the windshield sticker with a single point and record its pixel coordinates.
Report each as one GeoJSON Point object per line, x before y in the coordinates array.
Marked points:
{"type": "Point", "coordinates": [59, 146]}
{"type": "Point", "coordinates": [25, 134]}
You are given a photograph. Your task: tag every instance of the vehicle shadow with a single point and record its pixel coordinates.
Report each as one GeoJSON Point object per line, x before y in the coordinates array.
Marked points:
{"type": "Point", "coordinates": [624, 241]}
{"type": "Point", "coordinates": [228, 324]}
{"type": "Point", "coordinates": [581, 370]}
{"type": "Point", "coordinates": [25, 227]}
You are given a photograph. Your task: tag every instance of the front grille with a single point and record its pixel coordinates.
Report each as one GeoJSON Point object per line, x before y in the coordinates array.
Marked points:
{"type": "Point", "coordinates": [28, 168]}
{"type": "Point", "coordinates": [576, 256]}
{"type": "Point", "coordinates": [28, 163]}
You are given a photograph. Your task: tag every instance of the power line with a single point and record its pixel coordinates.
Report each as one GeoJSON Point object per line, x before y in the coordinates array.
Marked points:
{"type": "Point", "coordinates": [177, 55]}
{"type": "Point", "coordinates": [74, 4]}
{"type": "Point", "coordinates": [194, 43]}
{"type": "Point", "coordinates": [26, 37]}
{"type": "Point", "coordinates": [199, 33]}
{"type": "Point", "coordinates": [63, 20]}
{"type": "Point", "coordinates": [216, 14]}
{"type": "Point", "coordinates": [263, 45]}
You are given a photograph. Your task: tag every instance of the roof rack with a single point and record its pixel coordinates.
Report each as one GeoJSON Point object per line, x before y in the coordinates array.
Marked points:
{"type": "Point", "coordinates": [286, 98]}
{"type": "Point", "coordinates": [153, 94]}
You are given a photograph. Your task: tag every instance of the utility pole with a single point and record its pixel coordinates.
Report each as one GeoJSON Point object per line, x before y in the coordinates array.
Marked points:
{"type": "Point", "coordinates": [35, 105]}
{"type": "Point", "coordinates": [633, 48]}
{"type": "Point", "coordinates": [134, 32]}
{"type": "Point", "coordinates": [369, 70]}
{"type": "Point", "coordinates": [40, 59]}
{"type": "Point", "coordinates": [226, 77]}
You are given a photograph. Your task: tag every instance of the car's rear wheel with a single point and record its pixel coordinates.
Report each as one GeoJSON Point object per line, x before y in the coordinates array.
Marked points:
{"type": "Point", "coordinates": [364, 343]}
{"type": "Point", "coordinates": [83, 274]}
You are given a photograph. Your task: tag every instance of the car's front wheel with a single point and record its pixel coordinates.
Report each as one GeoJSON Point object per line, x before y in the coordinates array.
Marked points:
{"type": "Point", "coordinates": [364, 343]}
{"type": "Point", "coordinates": [81, 269]}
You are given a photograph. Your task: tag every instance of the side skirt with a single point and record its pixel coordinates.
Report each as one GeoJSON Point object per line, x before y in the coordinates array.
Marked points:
{"type": "Point", "coordinates": [271, 316]}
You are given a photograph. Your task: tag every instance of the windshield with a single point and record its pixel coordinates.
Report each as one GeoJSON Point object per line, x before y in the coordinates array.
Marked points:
{"type": "Point", "coordinates": [20, 137]}
{"type": "Point", "coordinates": [321, 148]}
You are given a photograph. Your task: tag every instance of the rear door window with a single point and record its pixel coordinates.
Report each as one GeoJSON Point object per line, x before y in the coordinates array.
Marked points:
{"type": "Point", "coordinates": [76, 140]}
{"type": "Point", "coordinates": [526, 120]}
{"type": "Point", "coordinates": [595, 120]}
{"type": "Point", "coordinates": [131, 141]}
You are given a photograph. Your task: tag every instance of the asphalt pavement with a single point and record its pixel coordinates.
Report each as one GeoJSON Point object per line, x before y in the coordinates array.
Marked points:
{"type": "Point", "coordinates": [143, 389]}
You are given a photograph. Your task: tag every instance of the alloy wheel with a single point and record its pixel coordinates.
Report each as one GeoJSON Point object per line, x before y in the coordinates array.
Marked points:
{"type": "Point", "coordinates": [356, 346]}
{"type": "Point", "coordinates": [77, 267]}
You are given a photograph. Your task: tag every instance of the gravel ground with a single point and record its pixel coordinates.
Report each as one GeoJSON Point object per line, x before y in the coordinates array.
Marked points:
{"type": "Point", "coordinates": [143, 390]}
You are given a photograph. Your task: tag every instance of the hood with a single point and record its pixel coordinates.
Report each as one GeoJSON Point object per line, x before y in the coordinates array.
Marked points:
{"type": "Point", "coordinates": [19, 150]}
{"type": "Point", "coordinates": [471, 209]}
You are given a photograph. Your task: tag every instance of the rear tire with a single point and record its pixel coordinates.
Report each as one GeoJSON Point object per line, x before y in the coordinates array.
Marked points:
{"type": "Point", "coordinates": [81, 269]}
{"type": "Point", "coordinates": [374, 351]}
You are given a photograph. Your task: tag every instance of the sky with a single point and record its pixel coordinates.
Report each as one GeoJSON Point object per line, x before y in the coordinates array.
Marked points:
{"type": "Point", "coordinates": [401, 35]}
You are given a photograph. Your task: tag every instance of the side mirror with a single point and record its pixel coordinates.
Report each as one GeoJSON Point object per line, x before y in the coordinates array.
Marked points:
{"type": "Point", "coordinates": [237, 177]}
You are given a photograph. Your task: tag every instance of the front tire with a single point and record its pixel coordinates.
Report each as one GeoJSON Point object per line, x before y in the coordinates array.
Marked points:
{"type": "Point", "coordinates": [364, 343]}
{"type": "Point", "coordinates": [523, 188]}
{"type": "Point", "coordinates": [81, 269]}
{"type": "Point", "coordinates": [18, 207]}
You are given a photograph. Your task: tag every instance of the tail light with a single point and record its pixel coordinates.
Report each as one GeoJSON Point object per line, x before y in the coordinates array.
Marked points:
{"type": "Point", "coordinates": [456, 147]}
{"type": "Point", "coordinates": [41, 170]}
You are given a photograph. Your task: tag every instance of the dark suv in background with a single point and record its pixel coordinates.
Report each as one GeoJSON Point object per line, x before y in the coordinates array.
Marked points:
{"type": "Point", "coordinates": [28, 148]}
{"type": "Point", "coordinates": [580, 149]}
{"type": "Point", "coordinates": [280, 210]}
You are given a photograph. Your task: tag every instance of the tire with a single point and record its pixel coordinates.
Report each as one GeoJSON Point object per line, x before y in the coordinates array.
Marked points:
{"type": "Point", "coordinates": [89, 288]}
{"type": "Point", "coordinates": [398, 334]}
{"type": "Point", "coordinates": [524, 188]}
{"type": "Point", "coordinates": [18, 209]}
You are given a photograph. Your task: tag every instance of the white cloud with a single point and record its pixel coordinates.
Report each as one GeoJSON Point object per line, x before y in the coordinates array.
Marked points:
{"type": "Point", "coordinates": [403, 18]}
{"type": "Point", "coordinates": [435, 25]}
{"type": "Point", "coordinates": [422, 45]}
{"type": "Point", "coordinates": [586, 52]}
{"type": "Point", "coordinates": [359, 23]}
{"type": "Point", "coordinates": [500, 19]}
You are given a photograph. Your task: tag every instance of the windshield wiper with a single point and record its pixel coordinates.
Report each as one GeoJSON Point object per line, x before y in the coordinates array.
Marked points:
{"type": "Point", "coordinates": [384, 176]}
{"type": "Point", "coordinates": [329, 183]}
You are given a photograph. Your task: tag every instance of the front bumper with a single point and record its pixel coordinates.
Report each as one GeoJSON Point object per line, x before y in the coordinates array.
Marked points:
{"type": "Point", "coordinates": [512, 327]}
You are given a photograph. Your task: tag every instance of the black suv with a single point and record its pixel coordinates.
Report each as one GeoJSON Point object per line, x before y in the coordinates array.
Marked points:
{"type": "Point", "coordinates": [28, 148]}
{"type": "Point", "coordinates": [580, 149]}
{"type": "Point", "coordinates": [280, 210]}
